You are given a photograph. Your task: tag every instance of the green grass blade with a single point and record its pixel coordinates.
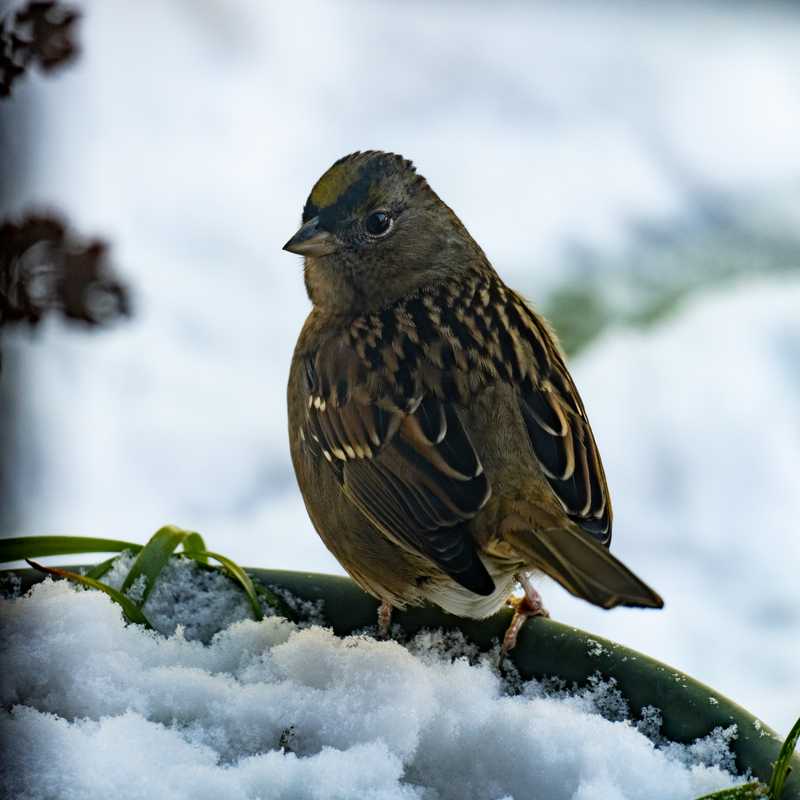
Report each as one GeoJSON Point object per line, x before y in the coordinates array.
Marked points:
{"type": "Point", "coordinates": [745, 791]}
{"type": "Point", "coordinates": [780, 772]}
{"type": "Point", "coordinates": [20, 548]}
{"type": "Point", "coordinates": [130, 610]}
{"type": "Point", "coordinates": [239, 575]}
{"type": "Point", "coordinates": [152, 558]}
{"type": "Point", "coordinates": [277, 604]}
{"type": "Point", "coordinates": [782, 767]}
{"type": "Point", "coordinates": [98, 570]}
{"type": "Point", "coordinates": [195, 545]}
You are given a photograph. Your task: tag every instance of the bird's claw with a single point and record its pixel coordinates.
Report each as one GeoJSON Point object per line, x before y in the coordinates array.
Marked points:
{"type": "Point", "coordinates": [529, 605]}
{"type": "Point", "coordinates": [384, 620]}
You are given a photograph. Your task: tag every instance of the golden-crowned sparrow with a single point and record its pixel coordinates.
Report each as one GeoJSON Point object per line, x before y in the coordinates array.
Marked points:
{"type": "Point", "coordinates": [439, 442]}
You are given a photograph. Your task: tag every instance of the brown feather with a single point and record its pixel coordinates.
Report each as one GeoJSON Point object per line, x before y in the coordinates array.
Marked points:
{"type": "Point", "coordinates": [584, 568]}
{"type": "Point", "coordinates": [420, 384]}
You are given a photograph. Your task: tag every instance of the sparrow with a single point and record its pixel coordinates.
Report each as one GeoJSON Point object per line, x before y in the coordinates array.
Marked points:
{"type": "Point", "coordinates": [442, 450]}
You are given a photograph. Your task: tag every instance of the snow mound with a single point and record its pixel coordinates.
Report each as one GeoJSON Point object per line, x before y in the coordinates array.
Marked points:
{"type": "Point", "coordinates": [200, 601]}
{"type": "Point", "coordinates": [93, 707]}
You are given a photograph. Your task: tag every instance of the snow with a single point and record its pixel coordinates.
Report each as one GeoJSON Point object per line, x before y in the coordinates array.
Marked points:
{"type": "Point", "coordinates": [699, 435]}
{"type": "Point", "coordinates": [190, 134]}
{"type": "Point", "coordinates": [269, 710]}
{"type": "Point", "coordinates": [184, 588]}
{"type": "Point", "coordinates": [199, 601]}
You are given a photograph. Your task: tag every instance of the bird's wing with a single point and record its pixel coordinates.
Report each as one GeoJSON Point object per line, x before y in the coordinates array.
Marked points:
{"type": "Point", "coordinates": [403, 459]}
{"type": "Point", "coordinates": [557, 425]}
{"type": "Point", "coordinates": [478, 332]}
{"type": "Point", "coordinates": [382, 404]}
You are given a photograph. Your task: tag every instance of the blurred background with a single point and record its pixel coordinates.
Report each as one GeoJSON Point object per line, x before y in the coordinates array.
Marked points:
{"type": "Point", "coordinates": [633, 169]}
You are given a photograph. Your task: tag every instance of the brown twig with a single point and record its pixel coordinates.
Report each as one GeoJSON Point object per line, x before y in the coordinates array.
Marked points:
{"type": "Point", "coordinates": [45, 268]}
{"type": "Point", "coordinates": [41, 33]}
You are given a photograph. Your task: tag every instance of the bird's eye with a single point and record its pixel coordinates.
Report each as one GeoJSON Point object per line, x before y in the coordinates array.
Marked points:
{"type": "Point", "coordinates": [378, 223]}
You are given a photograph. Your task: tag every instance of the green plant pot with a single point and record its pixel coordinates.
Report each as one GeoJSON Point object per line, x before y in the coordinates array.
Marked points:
{"type": "Point", "coordinates": [547, 648]}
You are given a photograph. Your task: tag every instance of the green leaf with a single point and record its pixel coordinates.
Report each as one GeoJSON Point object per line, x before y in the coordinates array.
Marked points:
{"type": "Point", "coordinates": [22, 547]}
{"type": "Point", "coordinates": [756, 789]}
{"type": "Point", "coordinates": [275, 602]}
{"type": "Point", "coordinates": [238, 574]}
{"type": "Point", "coordinates": [745, 791]}
{"type": "Point", "coordinates": [194, 545]}
{"type": "Point", "coordinates": [782, 767]}
{"type": "Point", "coordinates": [150, 561]}
{"type": "Point", "coordinates": [98, 570]}
{"type": "Point", "coordinates": [152, 558]}
{"type": "Point", "coordinates": [130, 610]}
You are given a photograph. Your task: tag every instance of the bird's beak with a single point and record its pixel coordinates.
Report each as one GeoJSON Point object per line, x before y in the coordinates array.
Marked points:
{"type": "Point", "coordinates": [311, 240]}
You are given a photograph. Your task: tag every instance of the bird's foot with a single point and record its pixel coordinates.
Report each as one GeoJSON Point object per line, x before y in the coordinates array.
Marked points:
{"type": "Point", "coordinates": [529, 605]}
{"type": "Point", "coordinates": [384, 619]}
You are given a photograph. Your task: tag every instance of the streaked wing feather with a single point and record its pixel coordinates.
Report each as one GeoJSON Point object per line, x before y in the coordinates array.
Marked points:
{"type": "Point", "coordinates": [382, 405]}
{"type": "Point", "coordinates": [563, 442]}
{"type": "Point", "coordinates": [409, 467]}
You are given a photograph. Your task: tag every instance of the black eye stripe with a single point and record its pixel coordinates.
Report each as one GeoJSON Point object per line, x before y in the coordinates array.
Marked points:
{"type": "Point", "coordinates": [369, 170]}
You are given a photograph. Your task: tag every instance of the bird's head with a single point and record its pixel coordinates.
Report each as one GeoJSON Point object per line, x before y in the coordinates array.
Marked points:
{"type": "Point", "coordinates": [374, 231]}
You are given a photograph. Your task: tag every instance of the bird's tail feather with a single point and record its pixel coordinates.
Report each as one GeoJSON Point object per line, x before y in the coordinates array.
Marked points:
{"type": "Point", "coordinates": [583, 567]}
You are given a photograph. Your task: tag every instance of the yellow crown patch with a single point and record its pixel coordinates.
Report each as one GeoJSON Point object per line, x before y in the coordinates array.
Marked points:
{"type": "Point", "coordinates": [333, 184]}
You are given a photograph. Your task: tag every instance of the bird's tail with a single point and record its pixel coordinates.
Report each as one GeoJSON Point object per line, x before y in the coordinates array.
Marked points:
{"type": "Point", "coordinates": [583, 567]}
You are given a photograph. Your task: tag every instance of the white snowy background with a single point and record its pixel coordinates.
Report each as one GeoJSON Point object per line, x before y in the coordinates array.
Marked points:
{"type": "Point", "coordinates": [189, 136]}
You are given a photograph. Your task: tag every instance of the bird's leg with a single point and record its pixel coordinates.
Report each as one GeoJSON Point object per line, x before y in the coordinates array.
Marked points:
{"type": "Point", "coordinates": [529, 605]}
{"type": "Point", "coordinates": [384, 619]}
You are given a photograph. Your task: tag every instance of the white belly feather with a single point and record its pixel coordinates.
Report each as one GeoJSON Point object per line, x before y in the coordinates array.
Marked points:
{"type": "Point", "coordinates": [455, 599]}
